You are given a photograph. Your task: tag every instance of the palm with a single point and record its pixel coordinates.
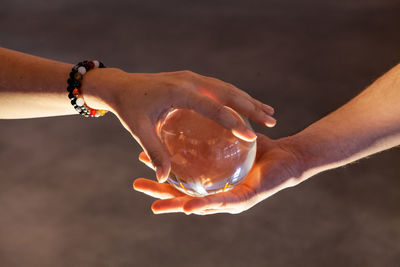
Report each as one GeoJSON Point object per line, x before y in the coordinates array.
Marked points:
{"type": "Point", "coordinates": [271, 172]}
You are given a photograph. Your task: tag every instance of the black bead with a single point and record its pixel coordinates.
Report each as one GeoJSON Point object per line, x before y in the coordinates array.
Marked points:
{"type": "Point", "coordinates": [75, 84]}
{"type": "Point", "coordinates": [72, 73]}
{"type": "Point", "coordinates": [71, 96]}
{"type": "Point", "coordinates": [82, 63]}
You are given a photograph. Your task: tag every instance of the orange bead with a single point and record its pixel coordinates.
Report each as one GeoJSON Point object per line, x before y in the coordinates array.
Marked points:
{"type": "Point", "coordinates": [75, 91]}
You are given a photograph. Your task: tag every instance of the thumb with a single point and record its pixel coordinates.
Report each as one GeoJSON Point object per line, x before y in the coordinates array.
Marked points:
{"type": "Point", "coordinates": [153, 148]}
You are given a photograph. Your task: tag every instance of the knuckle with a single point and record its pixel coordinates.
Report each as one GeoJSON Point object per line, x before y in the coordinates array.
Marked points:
{"type": "Point", "coordinates": [256, 108]}
{"type": "Point", "coordinates": [186, 73]}
{"type": "Point", "coordinates": [221, 113]}
{"type": "Point", "coordinates": [189, 72]}
{"type": "Point", "coordinates": [219, 109]}
{"type": "Point", "coordinates": [229, 94]}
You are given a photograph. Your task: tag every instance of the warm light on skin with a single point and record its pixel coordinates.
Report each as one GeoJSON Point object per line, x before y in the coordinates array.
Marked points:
{"type": "Point", "coordinates": [361, 128]}
{"type": "Point", "coordinates": [206, 93]}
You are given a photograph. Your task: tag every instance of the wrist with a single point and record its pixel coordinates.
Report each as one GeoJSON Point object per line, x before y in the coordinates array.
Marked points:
{"type": "Point", "coordinates": [308, 161]}
{"type": "Point", "coordinates": [99, 87]}
{"type": "Point", "coordinates": [318, 149]}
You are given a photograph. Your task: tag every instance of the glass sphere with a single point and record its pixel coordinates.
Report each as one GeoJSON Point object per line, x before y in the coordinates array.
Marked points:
{"type": "Point", "coordinates": [205, 157]}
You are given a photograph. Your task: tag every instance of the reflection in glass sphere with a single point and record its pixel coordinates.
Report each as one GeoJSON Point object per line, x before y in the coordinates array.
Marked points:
{"type": "Point", "coordinates": [205, 157]}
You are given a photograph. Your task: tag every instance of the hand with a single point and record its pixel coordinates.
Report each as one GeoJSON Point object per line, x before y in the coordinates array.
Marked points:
{"type": "Point", "coordinates": [141, 100]}
{"type": "Point", "coordinates": [276, 167]}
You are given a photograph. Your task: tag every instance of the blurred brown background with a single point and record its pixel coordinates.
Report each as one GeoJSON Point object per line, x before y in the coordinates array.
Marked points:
{"type": "Point", "coordinates": [65, 187]}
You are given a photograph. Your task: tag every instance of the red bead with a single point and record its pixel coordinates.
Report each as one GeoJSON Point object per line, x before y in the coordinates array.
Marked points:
{"type": "Point", "coordinates": [75, 91]}
{"type": "Point", "coordinates": [91, 64]}
{"type": "Point", "coordinates": [92, 112]}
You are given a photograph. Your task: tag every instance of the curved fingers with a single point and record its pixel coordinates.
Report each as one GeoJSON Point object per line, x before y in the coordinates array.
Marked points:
{"type": "Point", "coordinates": [222, 115]}
{"type": "Point", "coordinates": [216, 211]}
{"type": "Point", "coordinates": [238, 199]}
{"type": "Point", "coordinates": [155, 189]}
{"type": "Point", "coordinates": [239, 100]}
{"type": "Point", "coordinates": [169, 205]}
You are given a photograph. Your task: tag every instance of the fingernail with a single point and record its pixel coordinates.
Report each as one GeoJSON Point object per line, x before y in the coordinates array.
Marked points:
{"type": "Point", "coordinates": [251, 134]}
{"type": "Point", "coordinates": [271, 122]}
{"type": "Point", "coordinates": [246, 135]}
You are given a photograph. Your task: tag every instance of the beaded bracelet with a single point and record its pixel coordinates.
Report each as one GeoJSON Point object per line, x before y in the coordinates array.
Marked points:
{"type": "Point", "coordinates": [74, 88]}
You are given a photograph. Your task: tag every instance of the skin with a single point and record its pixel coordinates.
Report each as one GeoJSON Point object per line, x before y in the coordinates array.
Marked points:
{"type": "Point", "coordinates": [368, 124]}
{"type": "Point", "coordinates": [32, 87]}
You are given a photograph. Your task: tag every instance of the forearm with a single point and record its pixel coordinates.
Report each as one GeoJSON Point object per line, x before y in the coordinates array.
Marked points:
{"type": "Point", "coordinates": [32, 87]}
{"type": "Point", "coordinates": [369, 123]}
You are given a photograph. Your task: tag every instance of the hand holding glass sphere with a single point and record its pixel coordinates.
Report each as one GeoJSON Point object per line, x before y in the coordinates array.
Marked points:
{"type": "Point", "coordinates": [205, 157]}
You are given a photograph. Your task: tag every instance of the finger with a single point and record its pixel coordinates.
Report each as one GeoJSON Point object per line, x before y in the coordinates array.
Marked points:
{"type": "Point", "coordinates": [201, 204]}
{"type": "Point", "coordinates": [226, 91]}
{"type": "Point", "coordinates": [169, 205]}
{"type": "Point", "coordinates": [146, 160]}
{"type": "Point", "coordinates": [238, 198]}
{"type": "Point", "coordinates": [154, 148]}
{"type": "Point", "coordinates": [249, 107]}
{"type": "Point", "coordinates": [251, 110]}
{"type": "Point", "coordinates": [215, 211]}
{"type": "Point", "coordinates": [220, 114]}
{"type": "Point", "coordinates": [156, 190]}
{"type": "Point", "coordinates": [266, 108]}
{"type": "Point", "coordinates": [143, 157]}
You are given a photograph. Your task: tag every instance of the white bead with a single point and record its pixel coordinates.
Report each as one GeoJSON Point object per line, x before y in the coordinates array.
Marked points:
{"type": "Point", "coordinates": [80, 102]}
{"type": "Point", "coordinates": [82, 70]}
{"type": "Point", "coordinates": [96, 63]}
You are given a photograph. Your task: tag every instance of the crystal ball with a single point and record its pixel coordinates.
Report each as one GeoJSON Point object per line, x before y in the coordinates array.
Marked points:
{"type": "Point", "coordinates": [205, 157]}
